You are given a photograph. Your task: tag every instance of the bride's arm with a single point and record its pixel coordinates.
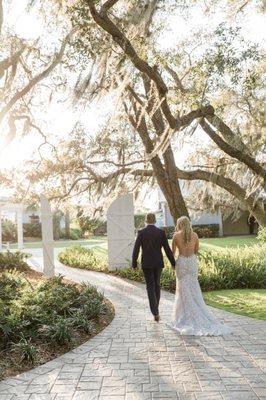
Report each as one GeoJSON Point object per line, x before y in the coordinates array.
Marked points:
{"type": "Point", "coordinates": [197, 245]}
{"type": "Point", "coordinates": [174, 245]}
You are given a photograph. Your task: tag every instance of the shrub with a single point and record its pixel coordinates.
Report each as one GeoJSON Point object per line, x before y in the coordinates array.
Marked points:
{"type": "Point", "coordinates": [130, 273]}
{"type": "Point", "coordinates": [33, 229]}
{"type": "Point", "coordinates": [262, 234]}
{"type": "Point", "coordinates": [59, 332]}
{"type": "Point", "coordinates": [233, 268]}
{"type": "Point", "coordinates": [80, 257]}
{"type": "Point", "coordinates": [101, 228]}
{"type": "Point", "coordinates": [13, 260]}
{"type": "Point", "coordinates": [44, 315]}
{"type": "Point", "coordinates": [74, 234]}
{"type": "Point", "coordinates": [11, 327]}
{"type": "Point", "coordinates": [225, 269]}
{"type": "Point", "coordinates": [207, 231]}
{"type": "Point", "coordinates": [169, 231]}
{"type": "Point", "coordinates": [81, 322]}
{"type": "Point", "coordinates": [49, 309]}
{"type": "Point", "coordinates": [27, 351]}
{"type": "Point", "coordinates": [9, 231]}
{"type": "Point", "coordinates": [11, 284]}
{"type": "Point", "coordinates": [228, 268]}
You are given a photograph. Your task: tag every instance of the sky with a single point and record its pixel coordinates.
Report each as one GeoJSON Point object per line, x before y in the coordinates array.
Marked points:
{"type": "Point", "coordinates": [61, 117]}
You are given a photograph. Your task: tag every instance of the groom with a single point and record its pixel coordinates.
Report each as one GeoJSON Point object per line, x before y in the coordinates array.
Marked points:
{"type": "Point", "coordinates": [151, 240]}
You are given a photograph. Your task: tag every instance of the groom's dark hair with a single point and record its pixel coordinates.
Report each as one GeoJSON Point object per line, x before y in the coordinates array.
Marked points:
{"type": "Point", "coordinates": [150, 218]}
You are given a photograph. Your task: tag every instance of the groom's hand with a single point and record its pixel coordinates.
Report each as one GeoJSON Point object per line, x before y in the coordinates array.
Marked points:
{"type": "Point", "coordinates": [173, 267]}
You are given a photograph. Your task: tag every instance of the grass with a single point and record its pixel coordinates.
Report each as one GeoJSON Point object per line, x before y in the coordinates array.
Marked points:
{"type": "Point", "coordinates": [64, 243]}
{"type": "Point", "coordinates": [205, 244]}
{"type": "Point", "coordinates": [101, 241]}
{"type": "Point", "coordinates": [231, 241]}
{"type": "Point", "coordinates": [248, 302]}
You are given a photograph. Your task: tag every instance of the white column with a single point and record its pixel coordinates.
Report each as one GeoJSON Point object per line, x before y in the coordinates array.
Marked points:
{"type": "Point", "coordinates": [1, 246]}
{"type": "Point", "coordinates": [47, 237]}
{"type": "Point", "coordinates": [20, 229]}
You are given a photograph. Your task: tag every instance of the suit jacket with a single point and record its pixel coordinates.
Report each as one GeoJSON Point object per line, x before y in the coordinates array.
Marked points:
{"type": "Point", "coordinates": [151, 240]}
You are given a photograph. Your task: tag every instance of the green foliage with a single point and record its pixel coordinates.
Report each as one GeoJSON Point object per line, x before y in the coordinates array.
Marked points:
{"type": "Point", "coordinates": [139, 221]}
{"type": "Point", "coordinates": [12, 326]}
{"type": "Point", "coordinates": [130, 273]}
{"type": "Point", "coordinates": [81, 322]}
{"type": "Point", "coordinates": [233, 268]}
{"type": "Point", "coordinates": [207, 231]}
{"type": "Point", "coordinates": [80, 257]}
{"type": "Point", "coordinates": [262, 234]}
{"type": "Point", "coordinates": [13, 260]}
{"type": "Point", "coordinates": [28, 352]}
{"type": "Point", "coordinates": [75, 234]}
{"type": "Point", "coordinates": [9, 231]}
{"type": "Point", "coordinates": [50, 312]}
{"type": "Point", "coordinates": [33, 229]}
{"type": "Point", "coordinates": [203, 231]}
{"type": "Point", "coordinates": [59, 332]}
{"type": "Point", "coordinates": [86, 223]}
{"type": "Point", "coordinates": [226, 58]}
{"type": "Point", "coordinates": [10, 285]}
{"type": "Point", "coordinates": [224, 268]}
{"type": "Point", "coordinates": [169, 231]}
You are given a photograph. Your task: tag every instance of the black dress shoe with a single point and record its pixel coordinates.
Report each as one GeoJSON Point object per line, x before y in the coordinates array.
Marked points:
{"type": "Point", "coordinates": [157, 318]}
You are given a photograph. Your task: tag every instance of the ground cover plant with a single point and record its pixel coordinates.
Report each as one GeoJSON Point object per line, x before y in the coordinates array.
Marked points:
{"type": "Point", "coordinates": [41, 318]}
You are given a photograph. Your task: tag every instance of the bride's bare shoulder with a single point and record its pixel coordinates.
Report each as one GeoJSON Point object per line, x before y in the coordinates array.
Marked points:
{"type": "Point", "coordinates": [194, 235]}
{"type": "Point", "coordinates": [176, 235]}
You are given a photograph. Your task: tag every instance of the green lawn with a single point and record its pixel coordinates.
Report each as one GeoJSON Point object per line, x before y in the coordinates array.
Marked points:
{"type": "Point", "coordinates": [205, 244]}
{"type": "Point", "coordinates": [248, 302]}
{"type": "Point", "coordinates": [64, 243]}
{"type": "Point", "coordinates": [231, 241]}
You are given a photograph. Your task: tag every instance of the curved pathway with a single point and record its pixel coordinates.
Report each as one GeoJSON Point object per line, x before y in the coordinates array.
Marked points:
{"type": "Point", "coordinates": [135, 358]}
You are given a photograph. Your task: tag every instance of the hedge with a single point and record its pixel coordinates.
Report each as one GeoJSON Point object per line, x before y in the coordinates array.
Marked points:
{"type": "Point", "coordinates": [237, 268]}
{"type": "Point", "coordinates": [203, 231]}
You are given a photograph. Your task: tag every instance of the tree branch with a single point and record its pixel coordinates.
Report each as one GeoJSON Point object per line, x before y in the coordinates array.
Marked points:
{"type": "Point", "coordinates": [123, 42]}
{"type": "Point", "coordinates": [234, 152]}
{"type": "Point", "coordinates": [36, 79]}
{"type": "Point", "coordinates": [176, 79]}
{"type": "Point", "coordinates": [10, 61]}
{"type": "Point", "coordinates": [107, 5]}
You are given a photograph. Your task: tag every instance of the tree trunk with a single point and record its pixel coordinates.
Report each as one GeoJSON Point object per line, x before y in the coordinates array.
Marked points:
{"type": "Point", "coordinates": [176, 200]}
{"type": "Point", "coordinates": [166, 175]}
{"type": "Point", "coordinates": [259, 213]}
{"type": "Point", "coordinates": [67, 224]}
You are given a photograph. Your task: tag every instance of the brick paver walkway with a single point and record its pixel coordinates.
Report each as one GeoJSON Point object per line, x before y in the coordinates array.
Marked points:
{"type": "Point", "coordinates": [135, 358]}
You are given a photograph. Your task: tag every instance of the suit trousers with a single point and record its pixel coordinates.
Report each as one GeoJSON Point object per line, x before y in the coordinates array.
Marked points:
{"type": "Point", "coordinates": [152, 279]}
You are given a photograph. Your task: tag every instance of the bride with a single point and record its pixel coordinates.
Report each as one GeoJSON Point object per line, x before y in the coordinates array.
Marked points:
{"type": "Point", "coordinates": [191, 315]}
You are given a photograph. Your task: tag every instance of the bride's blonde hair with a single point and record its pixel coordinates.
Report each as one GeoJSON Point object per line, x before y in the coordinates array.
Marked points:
{"type": "Point", "coordinates": [184, 224]}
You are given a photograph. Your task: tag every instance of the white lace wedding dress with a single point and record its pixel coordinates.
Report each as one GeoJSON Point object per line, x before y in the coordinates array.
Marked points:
{"type": "Point", "coordinates": [191, 315]}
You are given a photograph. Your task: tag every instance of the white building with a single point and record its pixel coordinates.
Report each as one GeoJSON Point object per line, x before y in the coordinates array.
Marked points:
{"type": "Point", "coordinates": [244, 225]}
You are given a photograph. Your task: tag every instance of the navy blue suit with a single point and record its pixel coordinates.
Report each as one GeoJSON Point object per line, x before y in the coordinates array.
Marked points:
{"type": "Point", "coordinates": [151, 240]}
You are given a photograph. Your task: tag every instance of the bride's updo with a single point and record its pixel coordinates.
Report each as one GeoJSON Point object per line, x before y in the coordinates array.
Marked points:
{"type": "Point", "coordinates": [184, 224]}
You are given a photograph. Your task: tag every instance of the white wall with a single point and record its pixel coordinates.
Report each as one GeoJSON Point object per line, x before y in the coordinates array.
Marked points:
{"type": "Point", "coordinates": [206, 218]}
